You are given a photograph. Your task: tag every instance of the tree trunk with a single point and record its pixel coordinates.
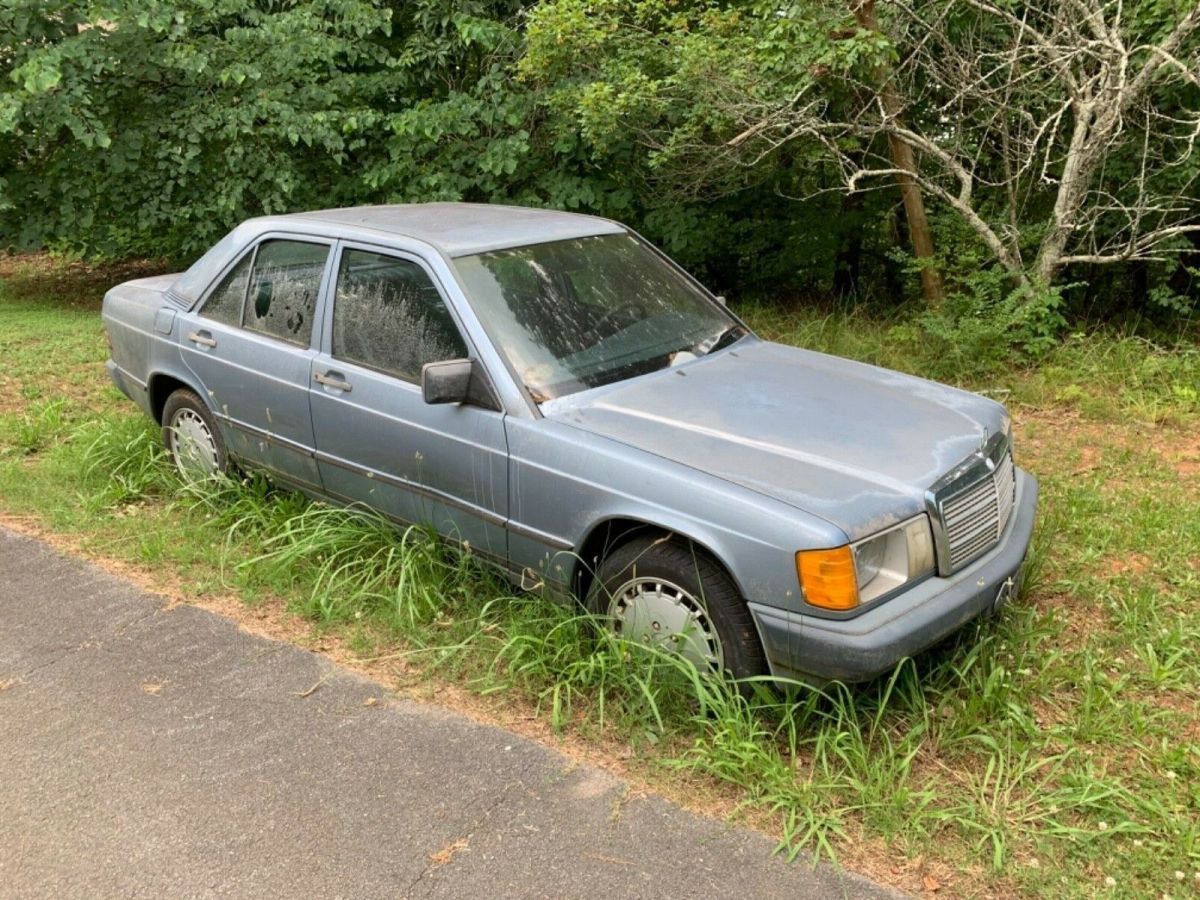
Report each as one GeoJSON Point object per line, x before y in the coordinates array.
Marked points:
{"type": "Point", "coordinates": [1078, 169]}
{"type": "Point", "coordinates": [903, 159]}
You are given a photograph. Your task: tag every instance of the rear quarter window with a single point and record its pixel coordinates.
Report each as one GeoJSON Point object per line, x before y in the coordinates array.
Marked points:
{"type": "Point", "coordinates": [283, 288]}
{"type": "Point", "coordinates": [225, 303]}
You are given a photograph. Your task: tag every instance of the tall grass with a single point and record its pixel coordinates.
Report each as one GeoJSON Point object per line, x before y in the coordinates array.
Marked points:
{"type": "Point", "coordinates": [1039, 751]}
{"type": "Point", "coordinates": [823, 763]}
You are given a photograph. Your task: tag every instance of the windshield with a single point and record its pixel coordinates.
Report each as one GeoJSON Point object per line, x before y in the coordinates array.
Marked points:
{"type": "Point", "coordinates": [576, 314]}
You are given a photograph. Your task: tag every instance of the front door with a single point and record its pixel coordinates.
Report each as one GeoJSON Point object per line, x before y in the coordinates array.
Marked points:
{"type": "Point", "coordinates": [377, 441]}
{"type": "Point", "coordinates": [249, 345]}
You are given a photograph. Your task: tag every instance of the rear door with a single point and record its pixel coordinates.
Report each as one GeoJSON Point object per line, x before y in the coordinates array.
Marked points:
{"type": "Point", "coordinates": [250, 345]}
{"type": "Point", "coordinates": [377, 441]}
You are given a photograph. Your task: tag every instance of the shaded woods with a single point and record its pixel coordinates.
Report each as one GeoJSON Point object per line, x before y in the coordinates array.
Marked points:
{"type": "Point", "coordinates": [1009, 168]}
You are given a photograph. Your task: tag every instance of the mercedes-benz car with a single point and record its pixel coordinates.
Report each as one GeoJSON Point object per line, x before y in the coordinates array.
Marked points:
{"type": "Point", "coordinates": [553, 392]}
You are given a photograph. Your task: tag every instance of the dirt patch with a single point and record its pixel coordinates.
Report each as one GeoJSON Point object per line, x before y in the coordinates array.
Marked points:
{"type": "Point", "coordinates": [73, 283]}
{"type": "Point", "coordinates": [1181, 451]}
{"type": "Point", "coordinates": [1061, 442]}
{"type": "Point", "coordinates": [446, 855]}
{"type": "Point", "coordinates": [1134, 564]}
{"type": "Point", "coordinates": [1182, 708]}
{"type": "Point", "coordinates": [1080, 620]}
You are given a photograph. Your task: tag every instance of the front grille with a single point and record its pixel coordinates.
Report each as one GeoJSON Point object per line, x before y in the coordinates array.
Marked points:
{"type": "Point", "coordinates": [975, 517]}
{"type": "Point", "coordinates": [971, 511]}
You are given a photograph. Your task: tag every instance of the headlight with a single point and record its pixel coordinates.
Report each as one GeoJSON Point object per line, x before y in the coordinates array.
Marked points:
{"type": "Point", "coordinates": [883, 562]}
{"type": "Point", "coordinates": [847, 576]}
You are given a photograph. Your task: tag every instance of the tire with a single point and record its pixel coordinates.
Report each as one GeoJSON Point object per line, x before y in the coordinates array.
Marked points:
{"type": "Point", "coordinates": [647, 588]}
{"type": "Point", "coordinates": [192, 437]}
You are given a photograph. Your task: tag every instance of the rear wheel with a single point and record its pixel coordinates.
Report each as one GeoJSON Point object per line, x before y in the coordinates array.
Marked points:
{"type": "Point", "coordinates": [192, 437]}
{"type": "Point", "coordinates": [664, 592]}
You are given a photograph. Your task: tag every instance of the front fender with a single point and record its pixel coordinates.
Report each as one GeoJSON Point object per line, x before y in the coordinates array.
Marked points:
{"type": "Point", "coordinates": [565, 483]}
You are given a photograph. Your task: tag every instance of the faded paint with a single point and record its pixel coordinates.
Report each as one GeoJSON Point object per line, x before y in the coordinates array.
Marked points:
{"type": "Point", "coordinates": [753, 452]}
{"type": "Point", "coordinates": [854, 444]}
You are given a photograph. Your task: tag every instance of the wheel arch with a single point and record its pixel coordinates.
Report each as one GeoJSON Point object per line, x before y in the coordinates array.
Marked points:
{"type": "Point", "coordinates": [612, 532]}
{"type": "Point", "coordinates": [161, 386]}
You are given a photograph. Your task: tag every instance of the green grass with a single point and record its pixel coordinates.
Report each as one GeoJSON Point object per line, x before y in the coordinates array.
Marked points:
{"type": "Point", "coordinates": [1042, 752]}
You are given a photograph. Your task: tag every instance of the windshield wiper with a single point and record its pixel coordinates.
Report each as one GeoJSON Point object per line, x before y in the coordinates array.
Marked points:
{"type": "Point", "coordinates": [730, 335]}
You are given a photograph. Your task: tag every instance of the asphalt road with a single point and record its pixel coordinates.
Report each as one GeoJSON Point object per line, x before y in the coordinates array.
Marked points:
{"type": "Point", "coordinates": [147, 752]}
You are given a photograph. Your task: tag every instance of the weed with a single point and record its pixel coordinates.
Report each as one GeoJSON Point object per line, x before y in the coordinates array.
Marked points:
{"type": "Point", "coordinates": [1056, 742]}
{"type": "Point", "coordinates": [38, 426]}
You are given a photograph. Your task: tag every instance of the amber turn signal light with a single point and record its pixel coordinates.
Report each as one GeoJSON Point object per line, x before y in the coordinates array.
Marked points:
{"type": "Point", "coordinates": [828, 577]}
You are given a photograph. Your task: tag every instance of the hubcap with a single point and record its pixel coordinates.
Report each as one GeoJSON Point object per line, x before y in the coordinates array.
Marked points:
{"type": "Point", "coordinates": [195, 451]}
{"type": "Point", "coordinates": [656, 612]}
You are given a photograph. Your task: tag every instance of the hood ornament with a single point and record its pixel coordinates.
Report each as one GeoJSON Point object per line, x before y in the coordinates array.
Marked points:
{"type": "Point", "coordinates": [987, 460]}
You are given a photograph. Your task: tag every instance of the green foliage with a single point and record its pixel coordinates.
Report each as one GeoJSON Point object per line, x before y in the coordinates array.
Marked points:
{"type": "Point", "coordinates": [987, 325]}
{"type": "Point", "coordinates": [150, 127]}
{"type": "Point", "coordinates": [134, 127]}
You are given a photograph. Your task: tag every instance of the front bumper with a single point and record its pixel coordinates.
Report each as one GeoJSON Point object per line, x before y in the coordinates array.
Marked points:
{"type": "Point", "coordinates": [810, 647]}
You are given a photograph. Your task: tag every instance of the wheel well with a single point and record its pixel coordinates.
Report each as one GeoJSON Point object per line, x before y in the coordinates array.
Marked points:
{"type": "Point", "coordinates": [607, 536]}
{"type": "Point", "coordinates": [161, 387]}
{"type": "Point", "coordinates": [602, 540]}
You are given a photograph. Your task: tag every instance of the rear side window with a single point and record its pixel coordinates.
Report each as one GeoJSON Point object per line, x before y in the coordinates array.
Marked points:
{"type": "Point", "coordinates": [283, 289]}
{"type": "Point", "coordinates": [388, 315]}
{"type": "Point", "coordinates": [225, 303]}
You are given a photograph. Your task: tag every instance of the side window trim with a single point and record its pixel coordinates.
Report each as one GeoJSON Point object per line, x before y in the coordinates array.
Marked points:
{"type": "Point", "coordinates": [330, 306]}
{"type": "Point", "coordinates": [250, 280]}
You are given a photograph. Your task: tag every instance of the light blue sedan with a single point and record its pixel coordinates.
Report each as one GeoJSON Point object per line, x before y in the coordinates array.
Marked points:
{"type": "Point", "coordinates": [552, 391]}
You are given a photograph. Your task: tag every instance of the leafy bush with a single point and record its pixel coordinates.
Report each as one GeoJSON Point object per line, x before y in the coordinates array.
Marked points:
{"type": "Point", "coordinates": [987, 325]}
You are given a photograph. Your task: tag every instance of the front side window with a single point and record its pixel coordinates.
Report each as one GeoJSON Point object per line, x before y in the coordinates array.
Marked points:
{"type": "Point", "coordinates": [283, 289]}
{"type": "Point", "coordinates": [224, 304]}
{"type": "Point", "coordinates": [387, 315]}
{"type": "Point", "coordinates": [576, 314]}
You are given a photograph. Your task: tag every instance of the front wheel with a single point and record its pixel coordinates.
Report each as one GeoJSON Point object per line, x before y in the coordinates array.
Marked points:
{"type": "Point", "coordinates": [192, 437]}
{"type": "Point", "coordinates": [665, 592]}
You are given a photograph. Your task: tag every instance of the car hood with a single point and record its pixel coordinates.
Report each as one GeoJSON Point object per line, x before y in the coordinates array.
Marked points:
{"type": "Point", "coordinates": [854, 444]}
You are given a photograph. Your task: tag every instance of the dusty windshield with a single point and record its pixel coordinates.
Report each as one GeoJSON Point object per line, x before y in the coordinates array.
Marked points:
{"type": "Point", "coordinates": [576, 314]}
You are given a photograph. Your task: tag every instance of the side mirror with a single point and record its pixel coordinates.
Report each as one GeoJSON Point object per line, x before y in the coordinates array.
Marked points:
{"type": "Point", "coordinates": [458, 381]}
{"type": "Point", "coordinates": [446, 382]}
{"type": "Point", "coordinates": [720, 298]}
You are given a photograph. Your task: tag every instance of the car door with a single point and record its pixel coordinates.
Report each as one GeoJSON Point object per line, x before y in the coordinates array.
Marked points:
{"type": "Point", "coordinates": [377, 441]}
{"type": "Point", "coordinates": [249, 344]}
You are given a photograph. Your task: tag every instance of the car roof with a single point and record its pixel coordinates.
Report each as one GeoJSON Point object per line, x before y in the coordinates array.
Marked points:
{"type": "Point", "coordinates": [457, 229]}
{"type": "Point", "coordinates": [453, 229]}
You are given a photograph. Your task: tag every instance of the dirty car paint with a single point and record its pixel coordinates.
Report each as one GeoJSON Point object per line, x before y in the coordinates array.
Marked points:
{"type": "Point", "coordinates": [854, 444]}
{"type": "Point", "coordinates": [752, 451]}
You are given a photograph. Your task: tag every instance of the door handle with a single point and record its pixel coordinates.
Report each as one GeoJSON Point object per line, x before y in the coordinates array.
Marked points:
{"type": "Point", "coordinates": [203, 338]}
{"type": "Point", "coordinates": [332, 380]}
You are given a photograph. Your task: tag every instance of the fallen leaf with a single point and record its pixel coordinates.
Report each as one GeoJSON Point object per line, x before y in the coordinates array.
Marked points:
{"type": "Point", "coordinates": [447, 853]}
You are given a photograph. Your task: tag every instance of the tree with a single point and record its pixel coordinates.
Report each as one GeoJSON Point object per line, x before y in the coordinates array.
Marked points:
{"type": "Point", "coordinates": [153, 126]}
{"type": "Point", "coordinates": [905, 164]}
{"type": "Point", "coordinates": [1060, 133]}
